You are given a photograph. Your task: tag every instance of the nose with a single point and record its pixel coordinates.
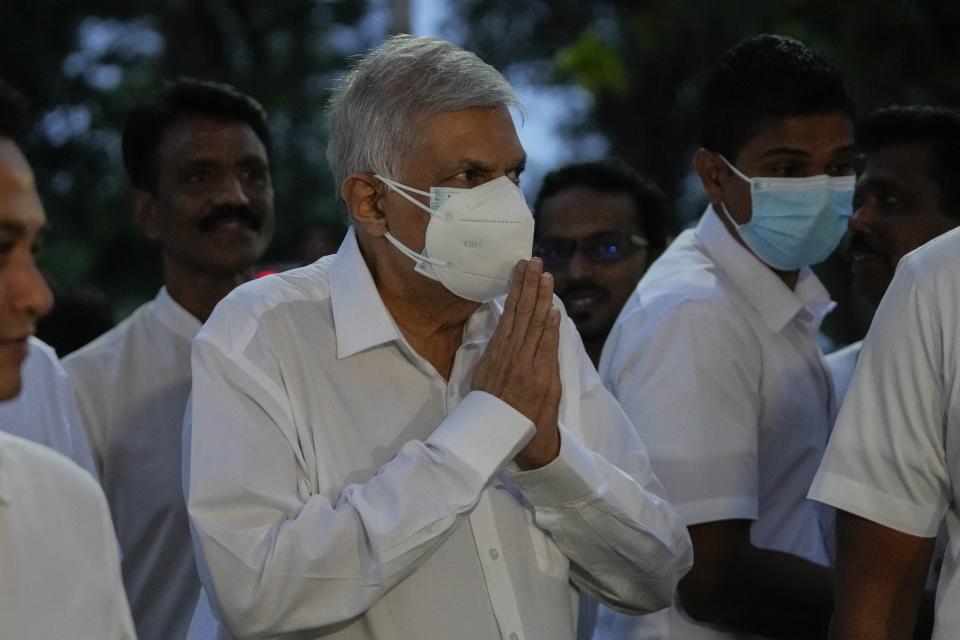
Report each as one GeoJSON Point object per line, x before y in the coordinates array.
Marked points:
{"type": "Point", "coordinates": [862, 219]}
{"type": "Point", "coordinates": [231, 191]}
{"type": "Point", "coordinates": [29, 292]}
{"type": "Point", "coordinates": [579, 266]}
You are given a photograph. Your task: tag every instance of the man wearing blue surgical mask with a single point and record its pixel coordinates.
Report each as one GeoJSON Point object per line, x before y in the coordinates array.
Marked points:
{"type": "Point", "coordinates": [715, 356]}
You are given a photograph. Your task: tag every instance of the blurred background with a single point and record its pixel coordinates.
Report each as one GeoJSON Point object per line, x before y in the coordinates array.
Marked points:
{"type": "Point", "coordinates": [598, 77]}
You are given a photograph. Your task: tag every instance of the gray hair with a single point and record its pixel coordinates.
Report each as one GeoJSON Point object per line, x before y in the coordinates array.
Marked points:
{"type": "Point", "coordinates": [376, 109]}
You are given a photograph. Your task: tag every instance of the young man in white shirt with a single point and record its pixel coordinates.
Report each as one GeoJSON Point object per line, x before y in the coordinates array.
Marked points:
{"type": "Point", "coordinates": [715, 355]}
{"type": "Point", "coordinates": [382, 445]}
{"type": "Point", "coordinates": [60, 575]}
{"type": "Point", "coordinates": [890, 467]}
{"type": "Point", "coordinates": [198, 160]}
{"type": "Point", "coordinates": [907, 194]}
{"type": "Point", "coordinates": [599, 226]}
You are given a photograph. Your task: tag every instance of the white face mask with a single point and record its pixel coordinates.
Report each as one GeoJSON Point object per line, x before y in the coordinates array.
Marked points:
{"type": "Point", "coordinates": [474, 237]}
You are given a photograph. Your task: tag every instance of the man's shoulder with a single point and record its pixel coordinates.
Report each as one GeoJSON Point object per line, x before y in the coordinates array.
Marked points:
{"type": "Point", "coordinates": [937, 263]}
{"type": "Point", "coordinates": [246, 306]}
{"type": "Point", "coordinates": [104, 348]}
{"type": "Point", "coordinates": [684, 278]}
{"type": "Point", "coordinates": [34, 465]}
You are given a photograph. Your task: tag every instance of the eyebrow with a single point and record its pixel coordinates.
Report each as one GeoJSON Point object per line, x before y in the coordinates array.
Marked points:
{"type": "Point", "coordinates": [16, 229]}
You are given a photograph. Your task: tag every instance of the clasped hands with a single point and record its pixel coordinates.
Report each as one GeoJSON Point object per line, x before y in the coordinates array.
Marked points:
{"type": "Point", "coordinates": [520, 364]}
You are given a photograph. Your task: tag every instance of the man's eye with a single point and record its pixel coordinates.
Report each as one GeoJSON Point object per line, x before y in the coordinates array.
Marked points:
{"type": "Point", "coordinates": [841, 169]}
{"type": "Point", "coordinates": [255, 174]}
{"type": "Point", "coordinates": [198, 176]}
{"type": "Point", "coordinates": [787, 171]}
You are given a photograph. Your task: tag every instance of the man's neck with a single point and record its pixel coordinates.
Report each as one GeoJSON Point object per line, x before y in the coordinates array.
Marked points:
{"type": "Point", "coordinates": [198, 292]}
{"type": "Point", "coordinates": [789, 278]}
{"type": "Point", "coordinates": [431, 319]}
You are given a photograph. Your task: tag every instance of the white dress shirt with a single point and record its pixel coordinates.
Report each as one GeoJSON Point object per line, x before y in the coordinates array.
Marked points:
{"type": "Point", "coordinates": [132, 385]}
{"type": "Point", "coordinates": [717, 363]}
{"type": "Point", "coordinates": [339, 487]}
{"type": "Point", "coordinates": [894, 457]}
{"type": "Point", "coordinates": [842, 363]}
{"type": "Point", "coordinates": [45, 411]}
{"type": "Point", "coordinates": [59, 569]}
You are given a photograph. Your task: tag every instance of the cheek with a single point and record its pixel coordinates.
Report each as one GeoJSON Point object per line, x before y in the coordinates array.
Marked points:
{"type": "Point", "coordinates": [621, 277]}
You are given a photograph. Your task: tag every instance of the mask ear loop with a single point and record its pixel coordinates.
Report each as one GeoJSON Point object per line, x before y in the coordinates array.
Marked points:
{"type": "Point", "coordinates": [402, 248]}
{"type": "Point", "coordinates": [401, 189]}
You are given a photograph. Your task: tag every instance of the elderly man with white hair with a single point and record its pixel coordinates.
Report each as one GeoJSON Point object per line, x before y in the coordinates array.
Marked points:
{"type": "Point", "coordinates": [382, 445]}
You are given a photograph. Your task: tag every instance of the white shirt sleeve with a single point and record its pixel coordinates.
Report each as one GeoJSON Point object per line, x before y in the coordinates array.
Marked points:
{"type": "Point", "coordinates": [690, 382]}
{"type": "Point", "coordinates": [886, 458]}
{"type": "Point", "coordinates": [604, 508]}
{"type": "Point", "coordinates": [276, 558]}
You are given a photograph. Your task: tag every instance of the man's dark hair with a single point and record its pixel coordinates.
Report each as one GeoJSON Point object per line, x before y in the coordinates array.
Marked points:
{"type": "Point", "coordinates": [764, 78]}
{"type": "Point", "coordinates": [13, 111]}
{"type": "Point", "coordinates": [181, 99]}
{"type": "Point", "coordinates": [936, 127]}
{"type": "Point", "coordinates": [613, 174]}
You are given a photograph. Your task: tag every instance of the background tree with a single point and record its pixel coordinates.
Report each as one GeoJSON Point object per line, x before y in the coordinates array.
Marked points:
{"type": "Point", "coordinates": [644, 63]}
{"type": "Point", "coordinates": [83, 65]}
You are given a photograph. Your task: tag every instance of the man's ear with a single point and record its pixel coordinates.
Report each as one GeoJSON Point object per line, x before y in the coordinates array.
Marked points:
{"type": "Point", "coordinates": [363, 196]}
{"type": "Point", "coordinates": [145, 211]}
{"type": "Point", "coordinates": [710, 168]}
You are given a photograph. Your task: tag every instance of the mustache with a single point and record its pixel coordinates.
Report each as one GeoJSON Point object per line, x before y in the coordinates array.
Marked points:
{"type": "Point", "coordinates": [226, 213]}
{"type": "Point", "coordinates": [585, 287]}
{"type": "Point", "coordinates": [858, 243]}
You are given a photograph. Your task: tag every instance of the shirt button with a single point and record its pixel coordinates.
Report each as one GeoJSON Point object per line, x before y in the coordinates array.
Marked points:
{"type": "Point", "coordinates": [514, 636]}
{"type": "Point", "coordinates": [494, 554]}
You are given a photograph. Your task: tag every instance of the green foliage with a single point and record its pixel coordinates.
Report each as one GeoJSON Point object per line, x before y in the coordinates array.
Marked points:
{"type": "Point", "coordinates": [84, 65]}
{"type": "Point", "coordinates": [644, 64]}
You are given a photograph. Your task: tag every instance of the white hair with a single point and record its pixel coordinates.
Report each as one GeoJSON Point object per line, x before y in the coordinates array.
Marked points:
{"type": "Point", "coordinates": [375, 110]}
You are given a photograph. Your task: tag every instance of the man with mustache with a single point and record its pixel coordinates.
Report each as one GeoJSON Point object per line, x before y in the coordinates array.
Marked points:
{"type": "Point", "coordinates": [907, 194]}
{"type": "Point", "coordinates": [198, 160]}
{"type": "Point", "coordinates": [599, 226]}
{"type": "Point", "coordinates": [59, 574]}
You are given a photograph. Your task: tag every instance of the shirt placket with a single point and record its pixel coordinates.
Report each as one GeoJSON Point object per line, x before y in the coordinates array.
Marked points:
{"type": "Point", "coordinates": [483, 523]}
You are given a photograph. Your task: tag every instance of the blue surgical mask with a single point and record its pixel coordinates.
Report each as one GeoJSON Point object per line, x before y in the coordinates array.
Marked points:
{"type": "Point", "coordinates": [795, 222]}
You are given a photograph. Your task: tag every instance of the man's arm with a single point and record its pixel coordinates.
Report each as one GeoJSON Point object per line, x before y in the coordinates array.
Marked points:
{"type": "Point", "coordinates": [276, 557]}
{"type": "Point", "coordinates": [880, 577]}
{"type": "Point", "coordinates": [739, 586]}
{"type": "Point", "coordinates": [601, 502]}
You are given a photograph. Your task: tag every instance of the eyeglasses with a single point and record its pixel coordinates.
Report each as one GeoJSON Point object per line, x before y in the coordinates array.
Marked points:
{"type": "Point", "coordinates": [603, 247]}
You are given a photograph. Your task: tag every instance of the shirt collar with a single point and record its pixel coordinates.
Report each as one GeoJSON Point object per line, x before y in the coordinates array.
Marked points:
{"type": "Point", "coordinates": [174, 317]}
{"type": "Point", "coordinates": [360, 319]}
{"type": "Point", "coordinates": [762, 288]}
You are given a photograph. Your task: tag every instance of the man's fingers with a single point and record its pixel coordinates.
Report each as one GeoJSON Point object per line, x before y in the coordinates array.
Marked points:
{"type": "Point", "coordinates": [527, 301]}
{"type": "Point", "coordinates": [505, 325]}
{"type": "Point", "coordinates": [549, 346]}
{"type": "Point", "coordinates": [538, 319]}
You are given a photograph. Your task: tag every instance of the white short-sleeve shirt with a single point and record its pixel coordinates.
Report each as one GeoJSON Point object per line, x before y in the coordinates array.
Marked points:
{"type": "Point", "coordinates": [894, 457]}
{"type": "Point", "coordinates": [45, 410]}
{"type": "Point", "coordinates": [717, 364]}
{"type": "Point", "coordinates": [59, 567]}
{"type": "Point", "coordinates": [132, 385]}
{"type": "Point", "coordinates": [339, 487]}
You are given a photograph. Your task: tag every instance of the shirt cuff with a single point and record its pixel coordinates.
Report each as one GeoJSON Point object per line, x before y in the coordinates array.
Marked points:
{"type": "Point", "coordinates": [571, 476]}
{"type": "Point", "coordinates": [867, 502]}
{"type": "Point", "coordinates": [483, 432]}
